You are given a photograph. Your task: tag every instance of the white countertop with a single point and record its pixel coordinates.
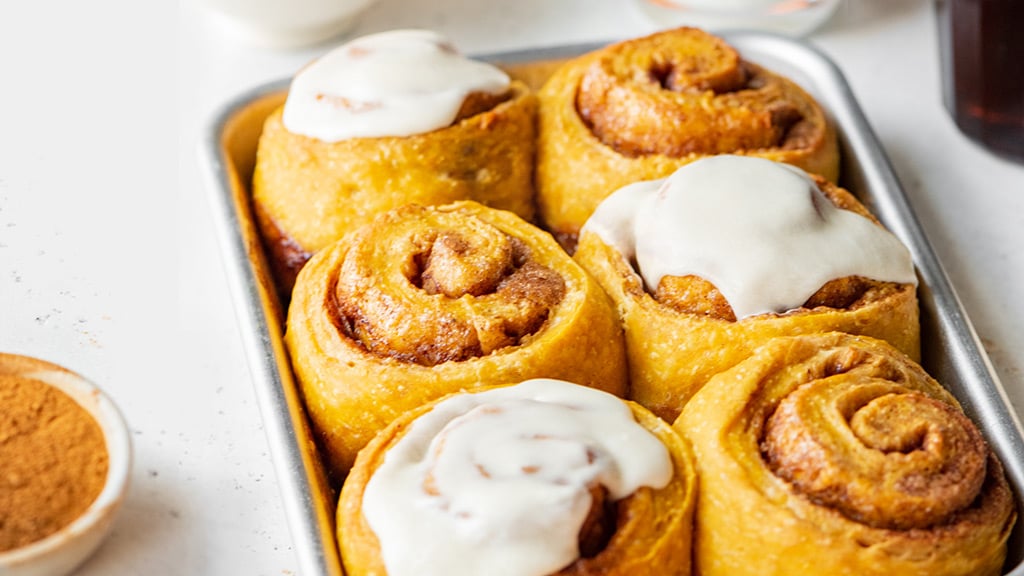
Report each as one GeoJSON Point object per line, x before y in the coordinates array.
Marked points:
{"type": "Point", "coordinates": [109, 264]}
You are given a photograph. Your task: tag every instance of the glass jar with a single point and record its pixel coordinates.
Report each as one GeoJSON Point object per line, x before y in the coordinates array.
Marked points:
{"type": "Point", "coordinates": [982, 52]}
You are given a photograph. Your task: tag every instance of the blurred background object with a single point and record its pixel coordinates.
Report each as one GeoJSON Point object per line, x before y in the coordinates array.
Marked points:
{"type": "Point", "coordinates": [790, 17]}
{"type": "Point", "coordinates": [287, 23]}
{"type": "Point", "coordinates": [982, 53]}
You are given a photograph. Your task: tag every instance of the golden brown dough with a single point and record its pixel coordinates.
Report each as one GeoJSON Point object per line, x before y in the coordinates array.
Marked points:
{"type": "Point", "coordinates": [837, 454]}
{"type": "Point", "coordinates": [650, 531]}
{"type": "Point", "coordinates": [308, 193]}
{"type": "Point", "coordinates": [640, 109]}
{"type": "Point", "coordinates": [425, 301]}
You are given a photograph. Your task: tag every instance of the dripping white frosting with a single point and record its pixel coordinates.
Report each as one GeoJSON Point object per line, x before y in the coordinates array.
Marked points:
{"type": "Point", "coordinates": [760, 231]}
{"type": "Point", "coordinates": [510, 470]}
{"type": "Point", "coordinates": [395, 83]}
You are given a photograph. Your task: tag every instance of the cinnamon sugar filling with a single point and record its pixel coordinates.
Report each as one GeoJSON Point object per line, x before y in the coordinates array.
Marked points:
{"type": "Point", "coordinates": [855, 440]}
{"type": "Point", "coordinates": [695, 295]}
{"type": "Point", "coordinates": [491, 295]}
{"type": "Point", "coordinates": [688, 96]}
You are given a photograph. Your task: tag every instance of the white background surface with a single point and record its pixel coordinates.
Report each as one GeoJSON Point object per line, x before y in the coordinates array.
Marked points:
{"type": "Point", "coordinates": [109, 264]}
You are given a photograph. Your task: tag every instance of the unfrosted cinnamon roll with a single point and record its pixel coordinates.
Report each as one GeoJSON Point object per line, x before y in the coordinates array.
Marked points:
{"type": "Point", "coordinates": [382, 121]}
{"type": "Point", "coordinates": [836, 454]}
{"type": "Point", "coordinates": [731, 251]}
{"type": "Point", "coordinates": [640, 109]}
{"type": "Point", "coordinates": [539, 478]}
{"type": "Point", "coordinates": [425, 301]}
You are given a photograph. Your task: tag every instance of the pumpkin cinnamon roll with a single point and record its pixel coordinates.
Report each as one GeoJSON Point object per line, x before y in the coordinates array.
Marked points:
{"type": "Point", "coordinates": [385, 120]}
{"type": "Point", "coordinates": [640, 109]}
{"type": "Point", "coordinates": [425, 301]}
{"type": "Point", "coordinates": [837, 454]}
{"type": "Point", "coordinates": [731, 251]}
{"type": "Point", "coordinates": [539, 478]}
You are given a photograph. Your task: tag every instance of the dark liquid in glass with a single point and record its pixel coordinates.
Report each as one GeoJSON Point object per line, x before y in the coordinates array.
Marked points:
{"type": "Point", "coordinates": [982, 51]}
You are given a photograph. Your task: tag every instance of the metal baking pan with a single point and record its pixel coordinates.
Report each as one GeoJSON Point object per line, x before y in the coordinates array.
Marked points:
{"type": "Point", "coordinates": [952, 352]}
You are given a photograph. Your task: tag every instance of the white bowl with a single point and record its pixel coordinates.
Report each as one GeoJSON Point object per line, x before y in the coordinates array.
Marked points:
{"type": "Point", "coordinates": [287, 23]}
{"type": "Point", "coordinates": [61, 552]}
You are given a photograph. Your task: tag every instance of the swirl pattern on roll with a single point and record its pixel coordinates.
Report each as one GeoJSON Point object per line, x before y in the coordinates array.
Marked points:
{"type": "Point", "coordinates": [861, 462]}
{"type": "Point", "coordinates": [714, 101]}
{"type": "Point", "coordinates": [901, 459]}
{"type": "Point", "coordinates": [639, 109]}
{"type": "Point", "coordinates": [424, 301]}
{"type": "Point", "coordinates": [473, 280]}
{"type": "Point", "coordinates": [537, 478]}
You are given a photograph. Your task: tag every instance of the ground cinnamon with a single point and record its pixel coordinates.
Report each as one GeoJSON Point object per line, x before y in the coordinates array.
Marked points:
{"type": "Point", "coordinates": [53, 460]}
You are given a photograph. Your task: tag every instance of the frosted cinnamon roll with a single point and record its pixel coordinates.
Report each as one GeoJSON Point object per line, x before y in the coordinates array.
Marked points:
{"type": "Point", "coordinates": [731, 251]}
{"type": "Point", "coordinates": [425, 301]}
{"type": "Point", "coordinates": [640, 109]}
{"type": "Point", "coordinates": [534, 479]}
{"type": "Point", "coordinates": [382, 121]}
{"type": "Point", "coordinates": [851, 459]}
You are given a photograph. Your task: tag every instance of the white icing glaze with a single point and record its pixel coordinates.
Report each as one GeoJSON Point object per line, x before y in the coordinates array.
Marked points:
{"type": "Point", "coordinates": [759, 230]}
{"type": "Point", "coordinates": [393, 83]}
{"type": "Point", "coordinates": [511, 468]}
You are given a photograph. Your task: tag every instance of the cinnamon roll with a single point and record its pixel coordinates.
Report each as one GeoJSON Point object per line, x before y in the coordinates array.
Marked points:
{"type": "Point", "coordinates": [837, 454]}
{"type": "Point", "coordinates": [731, 251]}
{"type": "Point", "coordinates": [385, 120]}
{"type": "Point", "coordinates": [640, 109]}
{"type": "Point", "coordinates": [425, 301]}
{"type": "Point", "coordinates": [539, 478]}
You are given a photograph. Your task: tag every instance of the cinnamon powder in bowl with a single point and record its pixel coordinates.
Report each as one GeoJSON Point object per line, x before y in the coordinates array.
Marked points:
{"type": "Point", "coordinates": [65, 457]}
